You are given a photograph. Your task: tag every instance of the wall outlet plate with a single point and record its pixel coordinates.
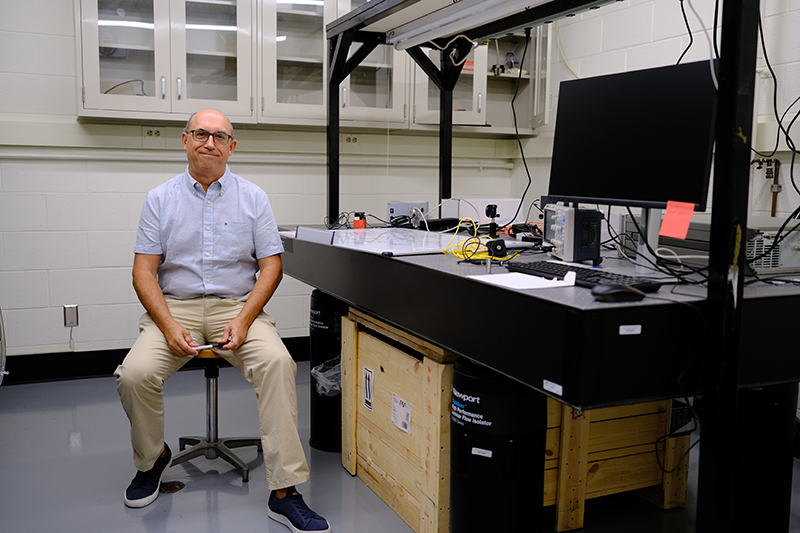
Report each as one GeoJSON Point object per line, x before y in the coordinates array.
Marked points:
{"type": "Point", "coordinates": [70, 315]}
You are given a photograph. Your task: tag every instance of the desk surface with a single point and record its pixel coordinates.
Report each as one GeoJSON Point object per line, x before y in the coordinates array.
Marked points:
{"type": "Point", "coordinates": [559, 341]}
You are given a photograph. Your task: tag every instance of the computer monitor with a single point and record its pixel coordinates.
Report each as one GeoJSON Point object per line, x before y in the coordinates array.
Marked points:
{"type": "Point", "coordinates": [637, 139]}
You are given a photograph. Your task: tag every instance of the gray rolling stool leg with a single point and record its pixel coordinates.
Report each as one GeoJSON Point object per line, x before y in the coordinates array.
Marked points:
{"type": "Point", "coordinates": [211, 446]}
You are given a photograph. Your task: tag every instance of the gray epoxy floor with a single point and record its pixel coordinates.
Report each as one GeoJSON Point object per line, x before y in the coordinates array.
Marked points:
{"type": "Point", "coordinates": [65, 460]}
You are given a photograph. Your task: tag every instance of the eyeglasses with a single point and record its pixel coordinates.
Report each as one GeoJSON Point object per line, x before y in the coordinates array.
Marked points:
{"type": "Point", "coordinates": [220, 138]}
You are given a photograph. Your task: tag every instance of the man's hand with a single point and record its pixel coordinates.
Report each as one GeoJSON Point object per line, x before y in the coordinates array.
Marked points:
{"type": "Point", "coordinates": [180, 340]}
{"type": "Point", "coordinates": [234, 334]}
{"type": "Point", "coordinates": [271, 273]}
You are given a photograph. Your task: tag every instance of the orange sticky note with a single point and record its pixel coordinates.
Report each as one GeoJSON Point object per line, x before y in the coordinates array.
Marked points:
{"type": "Point", "coordinates": [676, 220]}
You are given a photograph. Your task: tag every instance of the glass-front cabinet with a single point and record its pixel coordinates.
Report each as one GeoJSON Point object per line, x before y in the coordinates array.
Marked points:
{"type": "Point", "coordinates": [541, 68]}
{"type": "Point", "coordinates": [150, 57]}
{"type": "Point", "coordinates": [265, 61]}
{"type": "Point", "coordinates": [376, 89]}
{"type": "Point", "coordinates": [294, 68]}
{"type": "Point", "coordinates": [293, 58]}
{"type": "Point", "coordinates": [503, 87]}
{"type": "Point", "coordinates": [126, 55]}
{"type": "Point", "coordinates": [469, 94]}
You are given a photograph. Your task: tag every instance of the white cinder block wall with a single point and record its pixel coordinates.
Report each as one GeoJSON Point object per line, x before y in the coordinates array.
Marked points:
{"type": "Point", "coordinates": [70, 193]}
{"type": "Point", "coordinates": [69, 218]}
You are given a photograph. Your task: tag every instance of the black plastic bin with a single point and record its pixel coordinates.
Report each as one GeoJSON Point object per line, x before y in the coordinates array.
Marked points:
{"type": "Point", "coordinates": [497, 459]}
{"type": "Point", "coordinates": [325, 333]}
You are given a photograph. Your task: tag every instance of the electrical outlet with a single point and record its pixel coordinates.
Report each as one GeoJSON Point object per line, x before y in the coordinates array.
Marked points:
{"type": "Point", "coordinates": [153, 137]}
{"type": "Point", "coordinates": [351, 140]}
{"type": "Point", "coordinates": [70, 315]}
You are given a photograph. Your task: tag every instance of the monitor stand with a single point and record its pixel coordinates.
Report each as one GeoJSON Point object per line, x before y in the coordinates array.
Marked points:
{"type": "Point", "coordinates": [649, 227]}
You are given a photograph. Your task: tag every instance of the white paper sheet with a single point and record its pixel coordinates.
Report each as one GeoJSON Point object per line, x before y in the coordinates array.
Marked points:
{"type": "Point", "coordinates": [518, 280]}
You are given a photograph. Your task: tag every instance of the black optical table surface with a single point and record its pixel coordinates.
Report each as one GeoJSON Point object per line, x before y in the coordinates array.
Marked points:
{"type": "Point", "coordinates": [559, 341]}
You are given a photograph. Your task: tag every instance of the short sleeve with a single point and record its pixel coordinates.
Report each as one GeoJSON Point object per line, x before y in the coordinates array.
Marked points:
{"type": "Point", "coordinates": [148, 236]}
{"type": "Point", "coordinates": [267, 239]}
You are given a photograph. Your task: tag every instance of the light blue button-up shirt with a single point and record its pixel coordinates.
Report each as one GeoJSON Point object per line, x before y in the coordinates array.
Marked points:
{"type": "Point", "coordinates": [209, 242]}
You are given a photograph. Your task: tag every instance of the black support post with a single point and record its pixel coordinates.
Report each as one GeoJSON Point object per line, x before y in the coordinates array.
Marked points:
{"type": "Point", "coordinates": [719, 481]}
{"type": "Point", "coordinates": [337, 56]}
{"type": "Point", "coordinates": [451, 64]}
{"type": "Point", "coordinates": [445, 79]}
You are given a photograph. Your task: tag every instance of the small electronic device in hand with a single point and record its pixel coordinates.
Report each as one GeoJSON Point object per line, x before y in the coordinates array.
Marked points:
{"type": "Point", "coordinates": [614, 292]}
{"type": "Point", "coordinates": [208, 346]}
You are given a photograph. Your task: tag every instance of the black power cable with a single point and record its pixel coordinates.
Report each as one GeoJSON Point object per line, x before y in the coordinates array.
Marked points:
{"type": "Point", "coordinates": [516, 128]}
{"type": "Point", "coordinates": [688, 30]}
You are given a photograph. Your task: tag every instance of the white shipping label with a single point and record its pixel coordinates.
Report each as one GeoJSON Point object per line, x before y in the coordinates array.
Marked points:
{"type": "Point", "coordinates": [367, 386]}
{"type": "Point", "coordinates": [555, 388]}
{"type": "Point", "coordinates": [482, 452]}
{"type": "Point", "coordinates": [401, 413]}
{"type": "Point", "coordinates": [631, 330]}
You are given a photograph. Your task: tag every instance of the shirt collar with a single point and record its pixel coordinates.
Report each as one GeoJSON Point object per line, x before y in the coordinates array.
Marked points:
{"type": "Point", "coordinates": [194, 186]}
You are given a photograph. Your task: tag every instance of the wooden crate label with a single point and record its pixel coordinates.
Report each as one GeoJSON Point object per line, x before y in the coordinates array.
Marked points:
{"type": "Point", "coordinates": [401, 413]}
{"type": "Point", "coordinates": [369, 391]}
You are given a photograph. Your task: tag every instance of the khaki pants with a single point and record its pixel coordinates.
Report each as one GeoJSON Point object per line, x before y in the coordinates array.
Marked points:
{"type": "Point", "coordinates": [263, 360]}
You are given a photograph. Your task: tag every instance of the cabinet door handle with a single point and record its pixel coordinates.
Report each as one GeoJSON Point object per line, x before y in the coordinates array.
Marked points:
{"type": "Point", "coordinates": [480, 102]}
{"type": "Point", "coordinates": [344, 96]}
{"type": "Point", "coordinates": [163, 87]}
{"type": "Point", "coordinates": [179, 88]}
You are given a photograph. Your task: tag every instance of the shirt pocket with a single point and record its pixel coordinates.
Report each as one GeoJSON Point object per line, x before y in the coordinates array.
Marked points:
{"type": "Point", "coordinates": [236, 240]}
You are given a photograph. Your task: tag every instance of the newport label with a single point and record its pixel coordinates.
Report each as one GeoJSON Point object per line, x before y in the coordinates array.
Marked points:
{"type": "Point", "coordinates": [462, 410]}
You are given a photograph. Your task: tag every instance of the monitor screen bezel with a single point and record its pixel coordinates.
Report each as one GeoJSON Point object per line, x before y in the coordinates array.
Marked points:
{"type": "Point", "coordinates": [564, 149]}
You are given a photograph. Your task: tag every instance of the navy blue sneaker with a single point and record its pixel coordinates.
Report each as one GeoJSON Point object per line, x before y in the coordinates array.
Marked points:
{"type": "Point", "coordinates": [143, 490]}
{"type": "Point", "coordinates": [293, 512]}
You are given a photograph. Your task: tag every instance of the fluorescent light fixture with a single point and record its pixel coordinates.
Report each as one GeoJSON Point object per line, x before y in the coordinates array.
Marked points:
{"type": "Point", "coordinates": [127, 24]}
{"type": "Point", "coordinates": [455, 19]}
{"type": "Point", "coordinates": [150, 25]}
{"type": "Point", "coordinates": [280, 38]}
{"type": "Point", "coordinates": [211, 27]}
{"type": "Point", "coordinates": [303, 2]}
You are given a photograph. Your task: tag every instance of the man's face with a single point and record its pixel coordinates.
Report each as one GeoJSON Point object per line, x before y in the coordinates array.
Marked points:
{"type": "Point", "coordinates": [207, 160]}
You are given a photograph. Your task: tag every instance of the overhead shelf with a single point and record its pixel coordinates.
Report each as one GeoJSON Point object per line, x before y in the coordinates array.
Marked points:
{"type": "Point", "coordinates": [408, 23]}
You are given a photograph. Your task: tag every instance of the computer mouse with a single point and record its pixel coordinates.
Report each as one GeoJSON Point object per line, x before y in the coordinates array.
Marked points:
{"type": "Point", "coordinates": [614, 292]}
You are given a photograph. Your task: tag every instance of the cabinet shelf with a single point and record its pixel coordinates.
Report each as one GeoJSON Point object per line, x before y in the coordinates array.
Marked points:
{"type": "Point", "coordinates": [214, 2]}
{"type": "Point", "coordinates": [505, 76]}
{"type": "Point", "coordinates": [209, 53]}
{"type": "Point", "coordinates": [127, 46]}
{"type": "Point", "coordinates": [299, 13]}
{"type": "Point", "coordinates": [301, 60]}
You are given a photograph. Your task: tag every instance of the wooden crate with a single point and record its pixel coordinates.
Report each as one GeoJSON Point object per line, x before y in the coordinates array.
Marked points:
{"type": "Point", "coordinates": [606, 451]}
{"type": "Point", "coordinates": [410, 470]}
{"type": "Point", "coordinates": [587, 454]}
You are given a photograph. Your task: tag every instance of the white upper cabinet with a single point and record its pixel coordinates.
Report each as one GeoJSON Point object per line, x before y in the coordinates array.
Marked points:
{"type": "Point", "coordinates": [265, 61]}
{"type": "Point", "coordinates": [503, 88]}
{"type": "Point", "coordinates": [159, 59]}
{"type": "Point", "coordinates": [125, 55]}
{"type": "Point", "coordinates": [376, 90]}
{"type": "Point", "coordinates": [469, 94]}
{"type": "Point", "coordinates": [292, 60]}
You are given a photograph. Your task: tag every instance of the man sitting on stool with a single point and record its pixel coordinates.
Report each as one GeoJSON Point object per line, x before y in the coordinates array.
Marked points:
{"type": "Point", "coordinates": [203, 237]}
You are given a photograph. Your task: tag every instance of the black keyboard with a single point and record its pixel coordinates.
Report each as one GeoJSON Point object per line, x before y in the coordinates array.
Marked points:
{"type": "Point", "coordinates": [584, 276]}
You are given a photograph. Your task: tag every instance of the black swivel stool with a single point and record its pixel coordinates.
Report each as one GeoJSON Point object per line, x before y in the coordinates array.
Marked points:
{"type": "Point", "coordinates": [213, 447]}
